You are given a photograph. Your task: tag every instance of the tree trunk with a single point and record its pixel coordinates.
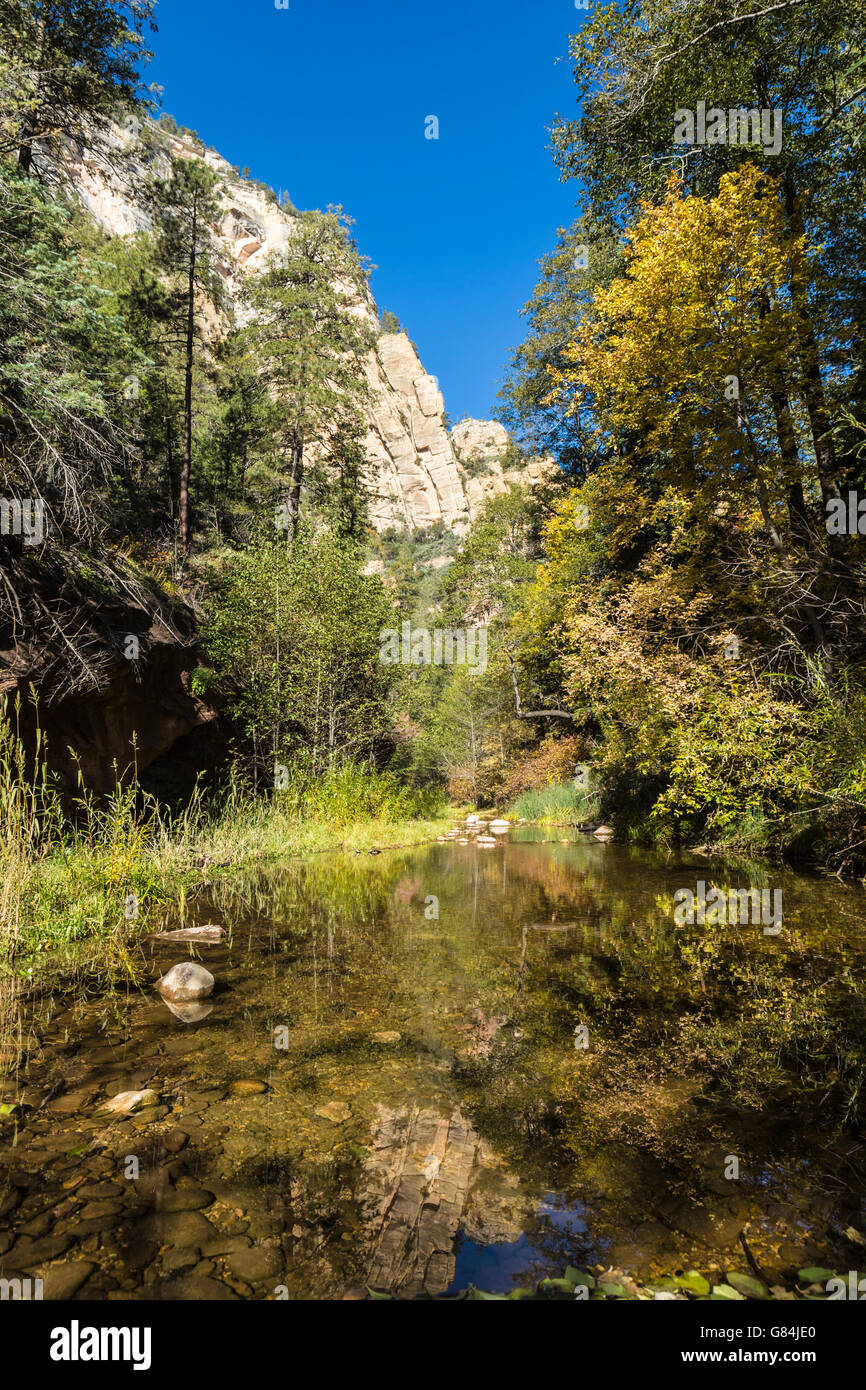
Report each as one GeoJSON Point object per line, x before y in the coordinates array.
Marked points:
{"type": "Point", "coordinates": [296, 478]}
{"type": "Point", "coordinates": [169, 452]}
{"type": "Point", "coordinates": [186, 466]}
{"type": "Point", "coordinates": [813, 385]}
{"type": "Point", "coordinates": [25, 155]}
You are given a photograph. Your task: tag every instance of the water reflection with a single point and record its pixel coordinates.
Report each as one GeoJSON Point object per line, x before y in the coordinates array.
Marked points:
{"type": "Point", "coordinates": [387, 1096]}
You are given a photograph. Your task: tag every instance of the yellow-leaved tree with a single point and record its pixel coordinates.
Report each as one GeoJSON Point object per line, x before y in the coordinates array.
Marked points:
{"type": "Point", "coordinates": [690, 358]}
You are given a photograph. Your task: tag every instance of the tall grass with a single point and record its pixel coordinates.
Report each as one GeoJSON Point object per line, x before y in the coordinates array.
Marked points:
{"type": "Point", "coordinates": [100, 867]}
{"type": "Point", "coordinates": [557, 803]}
{"type": "Point", "coordinates": [350, 792]}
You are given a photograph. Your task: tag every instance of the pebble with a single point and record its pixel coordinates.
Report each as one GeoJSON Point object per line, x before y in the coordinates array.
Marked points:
{"type": "Point", "coordinates": [255, 1263]}
{"type": "Point", "coordinates": [337, 1111]}
{"type": "Point", "coordinates": [61, 1282]}
{"type": "Point", "coordinates": [175, 1140]}
{"type": "Point", "coordinates": [187, 1199]}
{"type": "Point", "coordinates": [247, 1088]}
{"type": "Point", "coordinates": [127, 1102]}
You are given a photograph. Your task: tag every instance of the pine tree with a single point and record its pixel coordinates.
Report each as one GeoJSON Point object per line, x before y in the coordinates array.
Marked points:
{"type": "Point", "coordinates": [68, 70]}
{"type": "Point", "coordinates": [309, 337]}
{"type": "Point", "coordinates": [186, 207]}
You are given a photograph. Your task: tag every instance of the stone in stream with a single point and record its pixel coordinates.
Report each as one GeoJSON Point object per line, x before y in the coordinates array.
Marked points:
{"type": "Point", "coordinates": [175, 1140]}
{"type": "Point", "coordinates": [186, 1199]}
{"type": "Point", "coordinates": [179, 1258]}
{"type": "Point", "coordinates": [128, 1102]}
{"type": "Point", "coordinates": [149, 1115]}
{"type": "Point", "coordinates": [10, 1200]}
{"type": "Point", "coordinates": [181, 1228]}
{"type": "Point", "coordinates": [255, 1263]}
{"type": "Point", "coordinates": [387, 1036]}
{"type": "Point", "coordinates": [99, 1191]}
{"type": "Point", "coordinates": [193, 1288]}
{"type": "Point", "coordinates": [186, 983]}
{"type": "Point", "coordinates": [61, 1282]}
{"type": "Point", "coordinates": [95, 1211]}
{"type": "Point", "coordinates": [337, 1111]}
{"type": "Point", "coordinates": [247, 1088]}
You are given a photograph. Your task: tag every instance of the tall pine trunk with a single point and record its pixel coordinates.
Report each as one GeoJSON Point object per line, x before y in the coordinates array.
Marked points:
{"type": "Point", "coordinates": [186, 466]}
{"type": "Point", "coordinates": [813, 385]}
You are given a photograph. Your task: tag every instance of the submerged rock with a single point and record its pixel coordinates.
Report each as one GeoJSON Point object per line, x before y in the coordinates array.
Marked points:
{"type": "Point", "coordinates": [62, 1282]}
{"type": "Point", "coordinates": [186, 983]}
{"type": "Point", "coordinates": [247, 1088]}
{"type": "Point", "coordinates": [127, 1102]}
{"type": "Point", "coordinates": [388, 1035]}
{"type": "Point", "coordinates": [337, 1111]}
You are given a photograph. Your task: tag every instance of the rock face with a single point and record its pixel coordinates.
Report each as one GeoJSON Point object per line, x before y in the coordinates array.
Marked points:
{"type": "Point", "coordinates": [415, 477]}
{"type": "Point", "coordinates": [482, 449]}
{"type": "Point", "coordinates": [152, 699]}
{"type": "Point", "coordinates": [428, 1176]}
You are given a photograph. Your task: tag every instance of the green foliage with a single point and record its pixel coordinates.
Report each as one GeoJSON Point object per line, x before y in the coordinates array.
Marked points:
{"type": "Point", "coordinates": [307, 344]}
{"type": "Point", "coordinates": [561, 803]}
{"type": "Point", "coordinates": [67, 70]}
{"type": "Point", "coordinates": [293, 631]}
{"type": "Point", "coordinates": [348, 792]}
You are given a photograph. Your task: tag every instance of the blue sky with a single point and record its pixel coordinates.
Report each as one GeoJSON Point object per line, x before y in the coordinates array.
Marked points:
{"type": "Point", "coordinates": [328, 100]}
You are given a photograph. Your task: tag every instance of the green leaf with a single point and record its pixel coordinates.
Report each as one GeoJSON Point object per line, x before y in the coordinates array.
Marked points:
{"type": "Point", "coordinates": [693, 1282]}
{"type": "Point", "coordinates": [612, 1290]}
{"type": "Point", "coordinates": [579, 1276]}
{"type": "Point", "coordinates": [813, 1274]}
{"type": "Point", "coordinates": [747, 1284]}
{"type": "Point", "coordinates": [556, 1286]}
{"type": "Point", "coordinates": [725, 1291]}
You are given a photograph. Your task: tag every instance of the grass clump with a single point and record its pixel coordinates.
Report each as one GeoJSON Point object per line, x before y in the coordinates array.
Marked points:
{"type": "Point", "coordinates": [102, 868]}
{"type": "Point", "coordinates": [556, 804]}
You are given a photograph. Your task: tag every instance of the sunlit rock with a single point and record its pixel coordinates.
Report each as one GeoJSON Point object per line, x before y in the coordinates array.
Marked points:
{"type": "Point", "coordinates": [186, 983]}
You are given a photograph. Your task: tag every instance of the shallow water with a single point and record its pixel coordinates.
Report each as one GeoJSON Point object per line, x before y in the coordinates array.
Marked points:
{"type": "Point", "coordinates": [430, 1119]}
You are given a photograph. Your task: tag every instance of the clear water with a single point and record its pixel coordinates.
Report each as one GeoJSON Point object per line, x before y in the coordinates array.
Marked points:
{"type": "Point", "coordinates": [430, 1122]}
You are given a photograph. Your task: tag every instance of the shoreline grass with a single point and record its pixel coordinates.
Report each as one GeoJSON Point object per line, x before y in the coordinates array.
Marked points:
{"type": "Point", "coordinates": [105, 869]}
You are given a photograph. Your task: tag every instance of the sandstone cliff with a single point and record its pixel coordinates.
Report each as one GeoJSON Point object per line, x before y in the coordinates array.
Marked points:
{"type": "Point", "coordinates": [416, 476]}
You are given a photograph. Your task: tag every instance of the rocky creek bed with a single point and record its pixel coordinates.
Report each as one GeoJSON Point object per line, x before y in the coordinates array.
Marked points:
{"type": "Point", "coordinates": [387, 1090]}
